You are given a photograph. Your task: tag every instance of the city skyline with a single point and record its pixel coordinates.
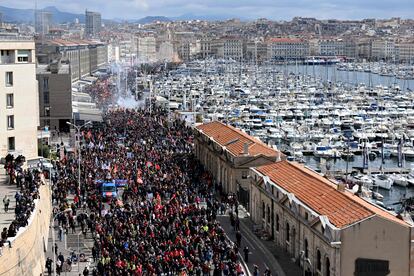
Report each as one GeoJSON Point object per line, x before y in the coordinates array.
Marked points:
{"type": "Point", "coordinates": [243, 9]}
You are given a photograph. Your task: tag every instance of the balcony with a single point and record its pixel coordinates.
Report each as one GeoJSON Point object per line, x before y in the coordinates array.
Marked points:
{"type": "Point", "coordinates": [7, 59]}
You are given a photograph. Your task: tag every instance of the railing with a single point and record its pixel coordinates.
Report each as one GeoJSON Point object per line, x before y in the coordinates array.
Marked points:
{"type": "Point", "coordinates": [16, 38]}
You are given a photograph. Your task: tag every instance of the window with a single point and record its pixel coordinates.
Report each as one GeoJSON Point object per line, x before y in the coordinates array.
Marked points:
{"type": "Point", "coordinates": [46, 84]}
{"type": "Point", "coordinates": [23, 55]}
{"type": "Point", "coordinates": [244, 174]}
{"type": "Point", "coordinates": [263, 210]}
{"type": "Point", "coordinates": [9, 78]}
{"type": "Point", "coordinates": [46, 99]}
{"type": "Point", "coordinates": [10, 122]}
{"type": "Point", "coordinates": [306, 215]}
{"type": "Point", "coordinates": [327, 267]}
{"type": "Point", "coordinates": [11, 144]}
{"type": "Point", "coordinates": [306, 249]}
{"type": "Point", "coordinates": [10, 100]}
{"type": "Point", "coordinates": [318, 260]}
{"type": "Point", "coordinates": [268, 214]}
{"type": "Point", "coordinates": [277, 223]}
{"type": "Point", "coordinates": [287, 232]}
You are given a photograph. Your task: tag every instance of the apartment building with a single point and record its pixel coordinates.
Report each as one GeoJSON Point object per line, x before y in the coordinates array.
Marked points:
{"type": "Point", "coordinates": [19, 108]}
{"type": "Point", "coordinates": [205, 45]}
{"type": "Point", "coordinates": [327, 229]}
{"type": "Point", "coordinates": [84, 56]}
{"type": "Point", "coordinates": [331, 47]}
{"type": "Point", "coordinates": [55, 95]}
{"type": "Point", "coordinates": [146, 49]}
{"type": "Point", "coordinates": [287, 48]}
{"type": "Point", "coordinates": [43, 22]}
{"type": "Point", "coordinates": [404, 51]}
{"type": "Point", "coordinates": [256, 51]}
{"type": "Point", "coordinates": [232, 47]}
{"type": "Point", "coordinates": [93, 23]}
{"type": "Point", "coordinates": [166, 52]}
{"type": "Point", "coordinates": [383, 50]}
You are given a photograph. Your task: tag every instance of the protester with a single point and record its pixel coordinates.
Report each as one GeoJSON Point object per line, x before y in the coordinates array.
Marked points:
{"type": "Point", "coordinates": [27, 183]}
{"type": "Point", "coordinates": [156, 225]}
{"type": "Point", "coordinates": [6, 202]}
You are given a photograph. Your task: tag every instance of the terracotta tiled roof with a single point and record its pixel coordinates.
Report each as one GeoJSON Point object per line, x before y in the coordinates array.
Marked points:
{"type": "Point", "coordinates": [74, 42]}
{"type": "Point", "coordinates": [316, 192]}
{"type": "Point", "coordinates": [285, 40]}
{"type": "Point", "coordinates": [234, 139]}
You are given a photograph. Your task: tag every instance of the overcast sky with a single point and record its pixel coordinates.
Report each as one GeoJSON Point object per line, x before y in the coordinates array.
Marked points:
{"type": "Point", "coordinates": [248, 9]}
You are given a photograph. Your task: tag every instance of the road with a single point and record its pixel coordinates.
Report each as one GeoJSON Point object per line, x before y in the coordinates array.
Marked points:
{"type": "Point", "coordinates": [262, 252]}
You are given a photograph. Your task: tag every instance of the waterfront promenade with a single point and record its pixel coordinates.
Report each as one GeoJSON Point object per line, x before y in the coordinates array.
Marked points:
{"type": "Point", "coordinates": [9, 190]}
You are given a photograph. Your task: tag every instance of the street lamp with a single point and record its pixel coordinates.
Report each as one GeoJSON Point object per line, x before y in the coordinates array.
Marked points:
{"type": "Point", "coordinates": [78, 129]}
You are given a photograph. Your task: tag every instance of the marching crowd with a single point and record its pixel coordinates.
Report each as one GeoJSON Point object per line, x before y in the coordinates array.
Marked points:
{"type": "Point", "coordinates": [163, 221]}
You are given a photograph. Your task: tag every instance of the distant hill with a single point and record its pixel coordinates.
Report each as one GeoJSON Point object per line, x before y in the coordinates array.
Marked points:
{"type": "Point", "coordinates": [184, 17]}
{"type": "Point", "coordinates": [27, 15]}
{"type": "Point", "coordinates": [150, 19]}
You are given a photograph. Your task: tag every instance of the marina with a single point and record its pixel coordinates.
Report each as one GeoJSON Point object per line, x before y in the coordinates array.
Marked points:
{"type": "Point", "coordinates": [345, 124]}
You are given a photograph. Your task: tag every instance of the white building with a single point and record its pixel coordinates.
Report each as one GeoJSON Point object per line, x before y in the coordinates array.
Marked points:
{"type": "Point", "coordinates": [404, 51]}
{"type": "Point", "coordinates": [383, 50]}
{"type": "Point", "coordinates": [166, 51]}
{"type": "Point", "coordinates": [331, 47]}
{"type": "Point", "coordinates": [232, 47]}
{"type": "Point", "coordinates": [287, 48]}
{"type": "Point", "coordinates": [19, 100]}
{"type": "Point", "coordinates": [146, 49]}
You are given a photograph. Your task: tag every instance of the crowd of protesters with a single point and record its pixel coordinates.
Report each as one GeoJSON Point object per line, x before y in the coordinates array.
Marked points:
{"type": "Point", "coordinates": [27, 184]}
{"type": "Point", "coordinates": [163, 221]}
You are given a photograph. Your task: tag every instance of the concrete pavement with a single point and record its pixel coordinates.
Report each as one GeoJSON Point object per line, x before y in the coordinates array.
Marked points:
{"type": "Point", "coordinates": [10, 190]}
{"type": "Point", "coordinates": [262, 253]}
{"type": "Point", "coordinates": [71, 242]}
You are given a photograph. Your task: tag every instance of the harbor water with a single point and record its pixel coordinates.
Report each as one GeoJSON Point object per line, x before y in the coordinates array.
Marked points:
{"type": "Point", "coordinates": [392, 196]}
{"type": "Point", "coordinates": [330, 73]}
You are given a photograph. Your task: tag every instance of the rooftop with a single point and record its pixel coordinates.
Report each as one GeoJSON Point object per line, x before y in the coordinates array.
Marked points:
{"type": "Point", "coordinates": [321, 195]}
{"type": "Point", "coordinates": [74, 42]}
{"type": "Point", "coordinates": [13, 38]}
{"type": "Point", "coordinates": [285, 40]}
{"type": "Point", "coordinates": [44, 69]}
{"type": "Point", "coordinates": [234, 139]}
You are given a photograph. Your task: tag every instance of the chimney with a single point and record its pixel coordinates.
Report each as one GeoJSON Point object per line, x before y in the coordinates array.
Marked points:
{"type": "Point", "coordinates": [341, 187]}
{"type": "Point", "coordinates": [246, 149]}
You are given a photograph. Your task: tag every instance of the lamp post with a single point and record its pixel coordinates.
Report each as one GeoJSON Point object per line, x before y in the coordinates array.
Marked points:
{"type": "Point", "coordinates": [45, 129]}
{"type": "Point", "coordinates": [78, 129]}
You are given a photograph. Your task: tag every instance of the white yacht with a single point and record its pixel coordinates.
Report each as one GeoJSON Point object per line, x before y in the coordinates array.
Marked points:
{"type": "Point", "coordinates": [382, 181]}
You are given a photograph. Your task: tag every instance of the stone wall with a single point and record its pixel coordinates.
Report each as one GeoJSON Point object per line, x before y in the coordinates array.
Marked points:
{"type": "Point", "coordinates": [27, 255]}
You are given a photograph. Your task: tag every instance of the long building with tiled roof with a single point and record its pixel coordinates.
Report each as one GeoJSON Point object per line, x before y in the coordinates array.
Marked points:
{"type": "Point", "coordinates": [328, 229]}
{"type": "Point", "coordinates": [235, 140]}
{"type": "Point", "coordinates": [228, 153]}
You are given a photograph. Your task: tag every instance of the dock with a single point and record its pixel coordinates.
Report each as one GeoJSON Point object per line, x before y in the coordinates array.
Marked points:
{"type": "Point", "coordinates": [341, 172]}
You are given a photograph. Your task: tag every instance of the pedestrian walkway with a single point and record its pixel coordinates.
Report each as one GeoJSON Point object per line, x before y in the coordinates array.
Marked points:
{"type": "Point", "coordinates": [9, 190]}
{"type": "Point", "coordinates": [67, 245]}
{"type": "Point", "coordinates": [72, 242]}
{"type": "Point", "coordinates": [262, 253]}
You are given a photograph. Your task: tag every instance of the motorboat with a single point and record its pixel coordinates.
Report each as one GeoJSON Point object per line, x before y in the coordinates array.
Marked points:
{"type": "Point", "coordinates": [382, 181]}
{"type": "Point", "coordinates": [399, 180]}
